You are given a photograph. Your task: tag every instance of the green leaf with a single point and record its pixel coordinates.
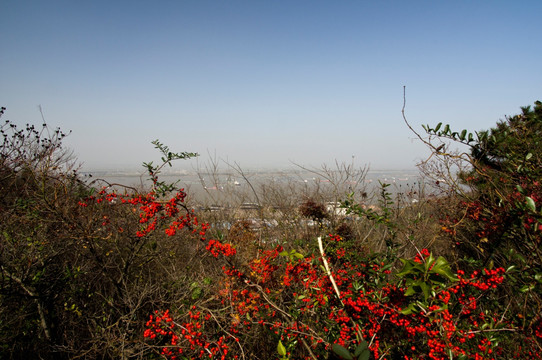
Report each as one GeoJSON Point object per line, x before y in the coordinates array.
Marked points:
{"type": "Point", "coordinates": [196, 293]}
{"type": "Point", "coordinates": [429, 262]}
{"type": "Point", "coordinates": [441, 262]}
{"type": "Point", "coordinates": [407, 268]}
{"type": "Point", "coordinates": [526, 288]}
{"type": "Point", "coordinates": [411, 290]}
{"type": "Point", "coordinates": [446, 129]}
{"type": "Point", "coordinates": [463, 135]}
{"type": "Point", "coordinates": [529, 155]}
{"type": "Point", "coordinates": [530, 203]}
{"type": "Point", "coordinates": [365, 354]}
{"type": "Point", "coordinates": [281, 349]}
{"type": "Point", "coordinates": [425, 289]}
{"type": "Point", "coordinates": [362, 346]}
{"type": "Point", "coordinates": [341, 352]}
{"type": "Point", "coordinates": [520, 257]}
{"type": "Point", "coordinates": [442, 267]}
{"type": "Point", "coordinates": [409, 309]}
{"type": "Point", "coordinates": [438, 126]}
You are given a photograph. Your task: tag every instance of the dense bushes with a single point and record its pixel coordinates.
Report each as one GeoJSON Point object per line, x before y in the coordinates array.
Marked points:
{"type": "Point", "coordinates": [115, 273]}
{"type": "Point", "coordinates": [38, 192]}
{"type": "Point", "coordinates": [80, 268]}
{"type": "Point", "coordinates": [500, 219]}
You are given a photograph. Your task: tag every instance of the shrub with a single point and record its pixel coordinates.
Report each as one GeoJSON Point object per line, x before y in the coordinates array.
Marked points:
{"type": "Point", "coordinates": [499, 222]}
{"type": "Point", "coordinates": [313, 210]}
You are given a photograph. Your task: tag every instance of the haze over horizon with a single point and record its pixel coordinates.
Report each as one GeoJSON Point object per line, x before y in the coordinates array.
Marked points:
{"type": "Point", "coordinates": [266, 84]}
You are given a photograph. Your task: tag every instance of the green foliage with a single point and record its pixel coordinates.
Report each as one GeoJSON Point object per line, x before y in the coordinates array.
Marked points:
{"type": "Point", "coordinates": [292, 256]}
{"type": "Point", "coordinates": [161, 187]}
{"type": "Point", "coordinates": [514, 146]}
{"type": "Point", "coordinates": [425, 277]}
{"type": "Point", "coordinates": [281, 350]}
{"type": "Point", "coordinates": [382, 217]}
{"type": "Point", "coordinates": [464, 136]}
{"type": "Point", "coordinates": [361, 352]}
{"type": "Point", "coordinates": [342, 352]}
{"type": "Point", "coordinates": [501, 222]}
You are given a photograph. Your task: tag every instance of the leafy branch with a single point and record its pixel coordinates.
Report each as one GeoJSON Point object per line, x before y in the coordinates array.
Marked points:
{"type": "Point", "coordinates": [161, 187]}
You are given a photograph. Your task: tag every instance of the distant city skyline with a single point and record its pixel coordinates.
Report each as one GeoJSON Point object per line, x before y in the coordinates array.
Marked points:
{"type": "Point", "coordinates": [265, 84]}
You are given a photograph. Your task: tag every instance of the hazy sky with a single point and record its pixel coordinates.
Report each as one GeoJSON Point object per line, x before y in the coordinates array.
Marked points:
{"type": "Point", "coordinates": [265, 83]}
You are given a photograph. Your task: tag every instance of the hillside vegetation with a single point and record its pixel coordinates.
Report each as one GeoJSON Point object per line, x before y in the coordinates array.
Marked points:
{"type": "Point", "coordinates": [120, 273]}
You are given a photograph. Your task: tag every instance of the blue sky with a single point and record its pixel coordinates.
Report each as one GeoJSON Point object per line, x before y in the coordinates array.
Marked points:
{"type": "Point", "coordinates": [265, 84]}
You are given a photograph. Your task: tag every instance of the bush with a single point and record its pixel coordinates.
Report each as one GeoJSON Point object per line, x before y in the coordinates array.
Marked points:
{"type": "Point", "coordinates": [499, 222]}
